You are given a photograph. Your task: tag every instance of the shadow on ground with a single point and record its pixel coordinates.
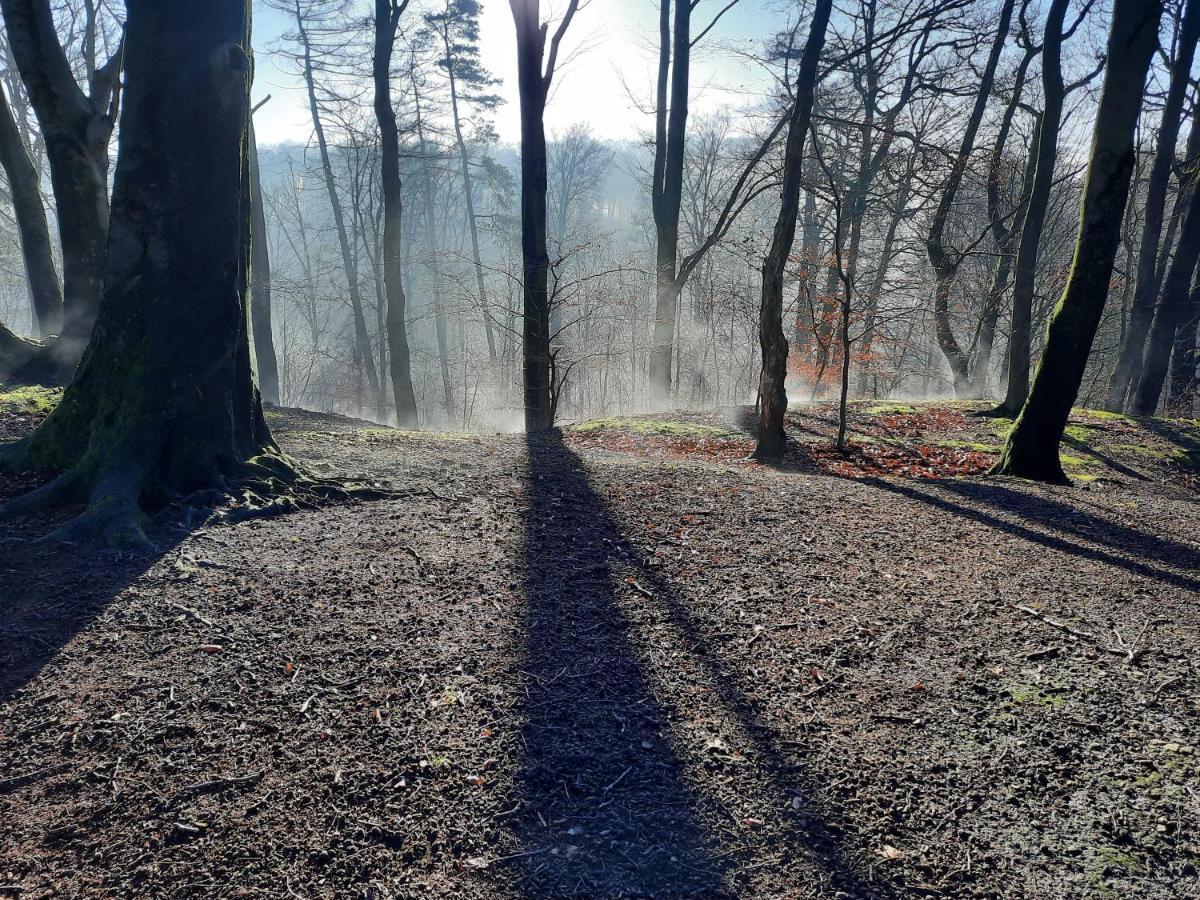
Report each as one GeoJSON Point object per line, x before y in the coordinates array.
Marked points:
{"type": "Point", "coordinates": [606, 809]}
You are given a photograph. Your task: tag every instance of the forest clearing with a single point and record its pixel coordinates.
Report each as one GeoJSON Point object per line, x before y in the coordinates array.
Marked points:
{"type": "Point", "coordinates": [617, 660]}
{"type": "Point", "coordinates": [600, 449]}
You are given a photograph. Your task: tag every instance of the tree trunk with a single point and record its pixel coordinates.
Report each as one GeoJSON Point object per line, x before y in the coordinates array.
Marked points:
{"type": "Point", "coordinates": [387, 17]}
{"type": "Point", "coordinates": [1002, 234]}
{"type": "Point", "coordinates": [1181, 397]}
{"type": "Point", "coordinates": [1172, 308]}
{"type": "Point", "coordinates": [76, 128]}
{"type": "Point", "coordinates": [666, 192]}
{"type": "Point", "coordinates": [533, 87]}
{"type": "Point", "coordinates": [164, 402]}
{"type": "Point", "coordinates": [1020, 335]}
{"type": "Point", "coordinates": [266, 366]}
{"type": "Point", "coordinates": [472, 225]}
{"type": "Point", "coordinates": [44, 290]}
{"type": "Point", "coordinates": [943, 259]}
{"type": "Point", "coordinates": [1032, 447]}
{"type": "Point", "coordinates": [1128, 369]}
{"type": "Point", "coordinates": [772, 397]}
{"type": "Point", "coordinates": [362, 340]}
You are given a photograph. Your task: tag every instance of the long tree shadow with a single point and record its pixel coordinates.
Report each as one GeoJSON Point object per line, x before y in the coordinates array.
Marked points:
{"type": "Point", "coordinates": [605, 807]}
{"type": "Point", "coordinates": [1064, 518]}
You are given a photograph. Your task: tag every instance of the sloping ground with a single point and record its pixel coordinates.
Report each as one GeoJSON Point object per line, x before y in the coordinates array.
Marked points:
{"type": "Point", "coordinates": [612, 662]}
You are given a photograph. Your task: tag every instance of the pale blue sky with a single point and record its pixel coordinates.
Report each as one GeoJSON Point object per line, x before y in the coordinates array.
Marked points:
{"type": "Point", "coordinates": [609, 52]}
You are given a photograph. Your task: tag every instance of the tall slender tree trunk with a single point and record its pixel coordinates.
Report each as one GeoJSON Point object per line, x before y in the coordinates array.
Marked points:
{"type": "Point", "coordinates": [1002, 233]}
{"type": "Point", "coordinates": [875, 291]}
{"type": "Point", "coordinates": [45, 292]}
{"type": "Point", "coordinates": [464, 159]}
{"type": "Point", "coordinates": [387, 20]}
{"type": "Point", "coordinates": [1172, 309]}
{"type": "Point", "coordinates": [164, 402]}
{"type": "Point", "coordinates": [1020, 335]}
{"type": "Point", "coordinates": [76, 128]}
{"type": "Point", "coordinates": [362, 339]}
{"type": "Point", "coordinates": [534, 85]}
{"type": "Point", "coordinates": [772, 397]}
{"type": "Point", "coordinates": [266, 365]}
{"type": "Point", "coordinates": [1128, 368]}
{"type": "Point", "coordinates": [944, 259]}
{"type": "Point", "coordinates": [1032, 447]}
{"type": "Point", "coordinates": [666, 192]}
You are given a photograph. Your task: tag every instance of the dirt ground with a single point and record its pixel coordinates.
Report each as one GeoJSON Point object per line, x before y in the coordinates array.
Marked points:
{"type": "Point", "coordinates": [621, 660]}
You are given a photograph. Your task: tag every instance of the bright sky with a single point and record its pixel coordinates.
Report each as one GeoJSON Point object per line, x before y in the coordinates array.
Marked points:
{"type": "Point", "coordinates": [609, 52]}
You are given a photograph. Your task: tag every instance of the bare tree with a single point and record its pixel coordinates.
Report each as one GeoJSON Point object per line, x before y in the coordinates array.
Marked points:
{"type": "Point", "coordinates": [1031, 450]}
{"type": "Point", "coordinates": [772, 398]}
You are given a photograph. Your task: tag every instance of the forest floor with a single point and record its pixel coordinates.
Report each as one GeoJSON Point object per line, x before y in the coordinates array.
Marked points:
{"type": "Point", "coordinates": [621, 660]}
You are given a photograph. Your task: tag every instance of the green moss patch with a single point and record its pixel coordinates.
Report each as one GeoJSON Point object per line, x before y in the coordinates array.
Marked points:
{"type": "Point", "coordinates": [29, 399]}
{"type": "Point", "coordinates": [651, 427]}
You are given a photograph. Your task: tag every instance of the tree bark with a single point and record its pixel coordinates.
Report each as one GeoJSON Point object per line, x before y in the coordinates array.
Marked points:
{"type": "Point", "coordinates": [534, 85]}
{"type": "Point", "coordinates": [772, 397]}
{"type": "Point", "coordinates": [76, 128]}
{"type": "Point", "coordinates": [266, 365]}
{"type": "Point", "coordinates": [1020, 335]}
{"type": "Point", "coordinates": [670, 141]}
{"type": "Point", "coordinates": [1172, 308]}
{"type": "Point", "coordinates": [943, 259]}
{"type": "Point", "coordinates": [1032, 447]}
{"type": "Point", "coordinates": [164, 402]}
{"type": "Point", "coordinates": [1127, 372]}
{"type": "Point", "coordinates": [45, 292]}
{"type": "Point", "coordinates": [387, 18]}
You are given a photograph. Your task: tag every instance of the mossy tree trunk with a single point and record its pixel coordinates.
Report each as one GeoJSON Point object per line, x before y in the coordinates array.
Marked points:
{"type": "Point", "coordinates": [163, 404]}
{"type": "Point", "coordinates": [772, 397]}
{"type": "Point", "coordinates": [387, 20]}
{"type": "Point", "coordinates": [45, 292]}
{"type": "Point", "coordinates": [76, 128]}
{"type": "Point", "coordinates": [1129, 360]}
{"type": "Point", "coordinates": [1020, 335]}
{"type": "Point", "coordinates": [1032, 447]}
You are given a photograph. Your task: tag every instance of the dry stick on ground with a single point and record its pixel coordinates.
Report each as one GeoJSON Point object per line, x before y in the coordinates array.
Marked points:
{"type": "Point", "coordinates": [1122, 649]}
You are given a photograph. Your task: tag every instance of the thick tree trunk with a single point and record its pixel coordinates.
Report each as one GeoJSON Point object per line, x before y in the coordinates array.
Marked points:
{"type": "Point", "coordinates": [164, 402]}
{"type": "Point", "coordinates": [387, 16]}
{"type": "Point", "coordinates": [266, 366]}
{"type": "Point", "coordinates": [1128, 368]}
{"type": "Point", "coordinates": [1032, 447]}
{"type": "Point", "coordinates": [1020, 335]}
{"type": "Point", "coordinates": [943, 259]}
{"type": "Point", "coordinates": [45, 293]}
{"type": "Point", "coordinates": [76, 128]}
{"type": "Point", "coordinates": [772, 397]}
{"type": "Point", "coordinates": [1170, 312]}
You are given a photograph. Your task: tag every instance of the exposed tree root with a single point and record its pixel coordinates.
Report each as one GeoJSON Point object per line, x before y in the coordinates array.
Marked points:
{"type": "Point", "coordinates": [26, 361]}
{"type": "Point", "coordinates": [120, 502]}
